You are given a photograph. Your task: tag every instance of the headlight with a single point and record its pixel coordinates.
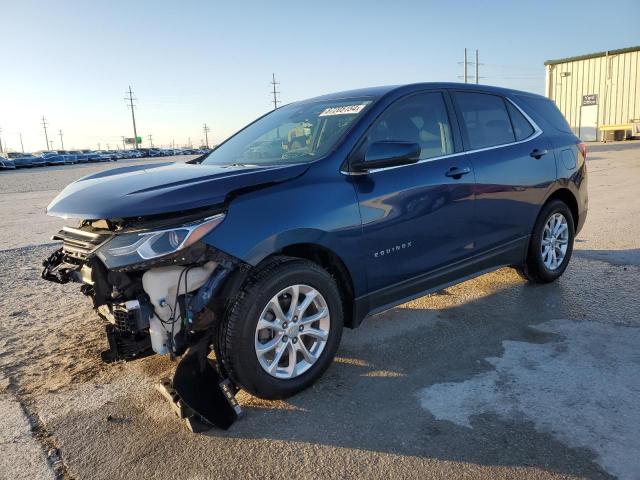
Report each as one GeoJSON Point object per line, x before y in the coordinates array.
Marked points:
{"type": "Point", "coordinates": [129, 248]}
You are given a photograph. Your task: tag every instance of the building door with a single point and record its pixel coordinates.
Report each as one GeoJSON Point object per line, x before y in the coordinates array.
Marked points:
{"type": "Point", "coordinates": [588, 123]}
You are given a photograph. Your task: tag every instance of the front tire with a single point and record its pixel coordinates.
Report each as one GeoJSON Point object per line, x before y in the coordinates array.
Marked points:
{"type": "Point", "coordinates": [282, 330]}
{"type": "Point", "coordinates": [551, 244]}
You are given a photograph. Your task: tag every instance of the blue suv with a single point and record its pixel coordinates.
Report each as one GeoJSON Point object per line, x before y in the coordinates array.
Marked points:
{"type": "Point", "coordinates": [317, 215]}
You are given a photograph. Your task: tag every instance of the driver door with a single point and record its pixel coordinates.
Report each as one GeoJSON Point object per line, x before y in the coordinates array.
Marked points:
{"type": "Point", "coordinates": [416, 219]}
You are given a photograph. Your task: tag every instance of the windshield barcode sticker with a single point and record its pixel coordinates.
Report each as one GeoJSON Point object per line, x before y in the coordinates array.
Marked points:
{"type": "Point", "coordinates": [344, 110]}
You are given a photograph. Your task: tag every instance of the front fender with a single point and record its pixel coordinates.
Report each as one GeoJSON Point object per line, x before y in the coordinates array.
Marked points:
{"type": "Point", "coordinates": [313, 209]}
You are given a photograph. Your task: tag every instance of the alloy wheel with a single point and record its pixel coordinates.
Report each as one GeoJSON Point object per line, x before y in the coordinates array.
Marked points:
{"type": "Point", "coordinates": [555, 241]}
{"type": "Point", "coordinates": [292, 331]}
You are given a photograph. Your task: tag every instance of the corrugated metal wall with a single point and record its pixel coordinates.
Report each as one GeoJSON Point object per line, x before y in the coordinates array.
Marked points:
{"type": "Point", "coordinates": [614, 78]}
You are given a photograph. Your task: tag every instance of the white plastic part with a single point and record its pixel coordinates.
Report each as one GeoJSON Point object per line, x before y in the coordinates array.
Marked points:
{"type": "Point", "coordinates": [161, 284]}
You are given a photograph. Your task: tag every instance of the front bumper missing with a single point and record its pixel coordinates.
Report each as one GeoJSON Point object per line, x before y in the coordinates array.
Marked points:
{"type": "Point", "coordinates": [200, 391]}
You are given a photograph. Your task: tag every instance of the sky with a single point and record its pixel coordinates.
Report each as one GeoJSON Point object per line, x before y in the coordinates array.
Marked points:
{"type": "Point", "coordinates": [191, 62]}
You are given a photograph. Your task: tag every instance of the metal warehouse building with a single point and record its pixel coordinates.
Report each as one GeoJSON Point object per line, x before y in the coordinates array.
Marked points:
{"type": "Point", "coordinates": [597, 92]}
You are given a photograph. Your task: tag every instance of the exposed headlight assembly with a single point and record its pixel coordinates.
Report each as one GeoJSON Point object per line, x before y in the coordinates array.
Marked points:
{"type": "Point", "coordinates": [129, 248]}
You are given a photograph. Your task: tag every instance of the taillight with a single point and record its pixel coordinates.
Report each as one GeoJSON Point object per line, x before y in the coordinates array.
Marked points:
{"type": "Point", "coordinates": [583, 149]}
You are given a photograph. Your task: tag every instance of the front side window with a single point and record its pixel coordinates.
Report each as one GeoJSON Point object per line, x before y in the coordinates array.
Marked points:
{"type": "Point", "coordinates": [420, 119]}
{"type": "Point", "coordinates": [486, 120]}
{"type": "Point", "coordinates": [295, 133]}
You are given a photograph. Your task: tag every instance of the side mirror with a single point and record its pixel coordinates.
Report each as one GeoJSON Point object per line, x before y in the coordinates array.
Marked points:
{"type": "Point", "coordinates": [387, 154]}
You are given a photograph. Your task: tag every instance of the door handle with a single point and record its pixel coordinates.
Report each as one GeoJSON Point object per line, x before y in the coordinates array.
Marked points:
{"type": "Point", "coordinates": [456, 172]}
{"type": "Point", "coordinates": [537, 153]}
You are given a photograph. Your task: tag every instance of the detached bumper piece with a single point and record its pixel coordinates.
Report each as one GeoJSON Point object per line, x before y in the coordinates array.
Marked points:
{"type": "Point", "coordinates": [199, 396]}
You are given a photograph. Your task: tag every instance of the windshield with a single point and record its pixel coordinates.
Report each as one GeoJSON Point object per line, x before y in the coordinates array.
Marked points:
{"type": "Point", "coordinates": [296, 133]}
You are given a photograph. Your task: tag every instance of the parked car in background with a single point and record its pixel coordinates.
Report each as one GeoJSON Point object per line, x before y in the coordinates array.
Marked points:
{"type": "Point", "coordinates": [154, 152]}
{"type": "Point", "coordinates": [6, 163]}
{"type": "Point", "coordinates": [105, 156]}
{"type": "Point", "coordinates": [24, 160]}
{"type": "Point", "coordinates": [51, 157]}
{"type": "Point", "coordinates": [92, 156]}
{"type": "Point", "coordinates": [69, 157]}
{"type": "Point", "coordinates": [79, 155]}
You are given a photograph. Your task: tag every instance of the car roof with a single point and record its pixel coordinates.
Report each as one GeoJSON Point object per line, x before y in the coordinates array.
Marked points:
{"type": "Point", "coordinates": [377, 92]}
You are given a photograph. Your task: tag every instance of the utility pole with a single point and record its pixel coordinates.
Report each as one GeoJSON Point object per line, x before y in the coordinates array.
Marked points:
{"type": "Point", "coordinates": [275, 93]}
{"type": "Point", "coordinates": [123, 147]}
{"type": "Point", "coordinates": [189, 145]}
{"type": "Point", "coordinates": [133, 115]}
{"type": "Point", "coordinates": [61, 142]}
{"type": "Point", "coordinates": [50, 145]}
{"type": "Point", "coordinates": [150, 140]}
{"type": "Point", "coordinates": [206, 131]}
{"type": "Point", "coordinates": [98, 145]}
{"type": "Point", "coordinates": [21, 144]}
{"type": "Point", "coordinates": [46, 137]}
{"type": "Point", "coordinates": [465, 65]}
{"type": "Point", "coordinates": [1, 150]}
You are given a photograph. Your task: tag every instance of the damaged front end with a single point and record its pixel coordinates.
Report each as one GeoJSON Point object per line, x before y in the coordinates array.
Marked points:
{"type": "Point", "coordinates": [160, 289]}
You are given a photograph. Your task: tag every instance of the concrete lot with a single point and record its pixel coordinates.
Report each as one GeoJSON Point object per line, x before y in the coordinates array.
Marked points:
{"type": "Point", "coordinates": [492, 378]}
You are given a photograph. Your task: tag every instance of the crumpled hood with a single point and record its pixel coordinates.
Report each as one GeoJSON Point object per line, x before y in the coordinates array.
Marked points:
{"type": "Point", "coordinates": [142, 190]}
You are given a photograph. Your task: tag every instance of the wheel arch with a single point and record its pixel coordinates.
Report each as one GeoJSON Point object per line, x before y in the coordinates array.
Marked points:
{"type": "Point", "coordinates": [566, 196]}
{"type": "Point", "coordinates": [332, 263]}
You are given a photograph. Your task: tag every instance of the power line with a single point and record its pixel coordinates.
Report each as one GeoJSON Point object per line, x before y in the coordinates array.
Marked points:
{"type": "Point", "coordinates": [275, 92]}
{"type": "Point", "coordinates": [46, 137]}
{"type": "Point", "coordinates": [61, 142]}
{"type": "Point", "coordinates": [133, 115]}
{"type": "Point", "coordinates": [206, 131]}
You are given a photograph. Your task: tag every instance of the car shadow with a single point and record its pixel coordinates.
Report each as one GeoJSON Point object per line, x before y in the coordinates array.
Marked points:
{"type": "Point", "coordinates": [368, 399]}
{"type": "Point", "coordinates": [615, 257]}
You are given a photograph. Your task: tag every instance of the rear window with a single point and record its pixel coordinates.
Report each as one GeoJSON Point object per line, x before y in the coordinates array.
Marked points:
{"type": "Point", "coordinates": [486, 120]}
{"type": "Point", "coordinates": [548, 110]}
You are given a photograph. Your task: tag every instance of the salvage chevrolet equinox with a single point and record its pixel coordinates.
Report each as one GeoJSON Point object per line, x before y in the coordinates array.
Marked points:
{"type": "Point", "coordinates": [316, 215]}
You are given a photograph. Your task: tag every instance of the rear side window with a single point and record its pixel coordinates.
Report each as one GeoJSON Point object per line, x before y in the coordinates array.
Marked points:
{"type": "Point", "coordinates": [548, 110]}
{"type": "Point", "coordinates": [486, 120]}
{"type": "Point", "coordinates": [521, 126]}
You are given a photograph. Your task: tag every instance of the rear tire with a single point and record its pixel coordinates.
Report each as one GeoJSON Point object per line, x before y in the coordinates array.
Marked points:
{"type": "Point", "coordinates": [310, 355]}
{"type": "Point", "coordinates": [551, 244]}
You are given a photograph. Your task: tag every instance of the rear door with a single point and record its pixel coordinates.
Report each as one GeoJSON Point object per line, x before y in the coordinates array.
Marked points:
{"type": "Point", "coordinates": [415, 217]}
{"type": "Point", "coordinates": [513, 163]}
